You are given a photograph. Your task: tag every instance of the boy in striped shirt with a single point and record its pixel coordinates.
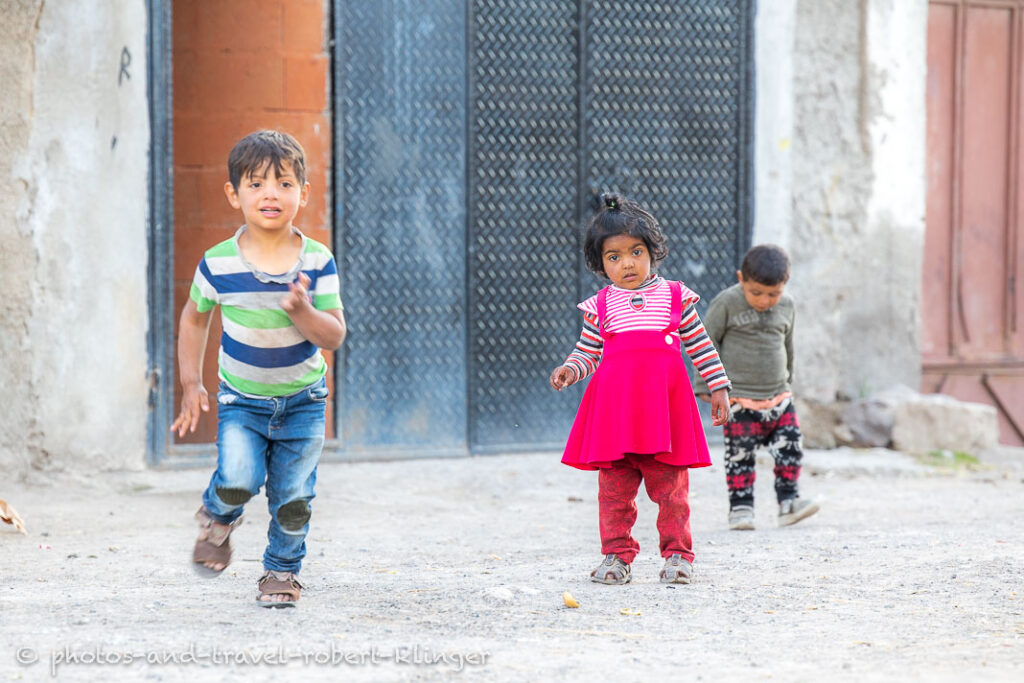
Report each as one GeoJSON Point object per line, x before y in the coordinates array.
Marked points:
{"type": "Point", "coordinates": [280, 304]}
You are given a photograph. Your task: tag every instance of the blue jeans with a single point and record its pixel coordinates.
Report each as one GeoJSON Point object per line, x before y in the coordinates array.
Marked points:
{"type": "Point", "coordinates": [276, 440]}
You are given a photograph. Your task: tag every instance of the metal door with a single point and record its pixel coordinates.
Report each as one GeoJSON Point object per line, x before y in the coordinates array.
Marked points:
{"type": "Point", "coordinates": [400, 130]}
{"type": "Point", "coordinates": [972, 344]}
{"type": "Point", "coordinates": [469, 140]}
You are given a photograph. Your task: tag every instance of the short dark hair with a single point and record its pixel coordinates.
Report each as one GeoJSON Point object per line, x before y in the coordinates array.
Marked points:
{"type": "Point", "coordinates": [263, 147]}
{"type": "Point", "coordinates": [616, 215]}
{"type": "Point", "coordinates": [766, 264]}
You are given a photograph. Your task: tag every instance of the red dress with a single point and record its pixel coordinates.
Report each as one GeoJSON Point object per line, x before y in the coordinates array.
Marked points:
{"type": "Point", "coordinates": [639, 400]}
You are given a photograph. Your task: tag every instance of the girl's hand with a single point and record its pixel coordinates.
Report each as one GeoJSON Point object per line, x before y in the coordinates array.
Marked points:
{"type": "Point", "coordinates": [562, 377]}
{"type": "Point", "coordinates": [193, 399]}
{"type": "Point", "coordinates": [298, 294]}
{"type": "Point", "coordinates": [719, 407]}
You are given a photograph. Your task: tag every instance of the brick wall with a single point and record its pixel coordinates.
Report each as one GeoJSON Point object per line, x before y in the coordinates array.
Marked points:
{"type": "Point", "coordinates": [242, 65]}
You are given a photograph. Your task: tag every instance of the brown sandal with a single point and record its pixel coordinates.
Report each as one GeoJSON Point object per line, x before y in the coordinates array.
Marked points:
{"type": "Point", "coordinates": [677, 569]}
{"type": "Point", "coordinates": [612, 571]}
{"type": "Point", "coordinates": [213, 544]}
{"type": "Point", "coordinates": [278, 583]}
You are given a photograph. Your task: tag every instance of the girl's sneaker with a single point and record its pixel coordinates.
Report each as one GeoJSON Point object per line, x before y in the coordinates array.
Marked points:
{"type": "Point", "coordinates": [741, 518]}
{"type": "Point", "coordinates": [677, 569]}
{"type": "Point", "coordinates": [793, 510]}
{"type": "Point", "coordinates": [612, 571]}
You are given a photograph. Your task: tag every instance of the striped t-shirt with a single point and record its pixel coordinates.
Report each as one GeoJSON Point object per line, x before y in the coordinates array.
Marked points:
{"type": "Point", "coordinates": [261, 352]}
{"type": "Point", "coordinates": [648, 307]}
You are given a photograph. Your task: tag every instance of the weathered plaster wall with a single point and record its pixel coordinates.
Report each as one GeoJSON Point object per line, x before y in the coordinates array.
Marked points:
{"type": "Point", "coordinates": [74, 345]}
{"type": "Point", "coordinates": [773, 125]}
{"type": "Point", "coordinates": [17, 255]}
{"type": "Point", "coordinates": [840, 183]}
{"type": "Point", "coordinates": [897, 38]}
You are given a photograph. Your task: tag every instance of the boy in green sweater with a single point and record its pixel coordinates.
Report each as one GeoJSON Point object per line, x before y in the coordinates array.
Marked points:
{"type": "Point", "coordinates": [751, 325]}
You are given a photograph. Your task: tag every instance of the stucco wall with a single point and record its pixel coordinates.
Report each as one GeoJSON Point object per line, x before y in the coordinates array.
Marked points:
{"type": "Point", "coordinates": [774, 41]}
{"type": "Point", "coordinates": [17, 256]}
{"type": "Point", "coordinates": [840, 183]}
{"type": "Point", "coordinates": [73, 155]}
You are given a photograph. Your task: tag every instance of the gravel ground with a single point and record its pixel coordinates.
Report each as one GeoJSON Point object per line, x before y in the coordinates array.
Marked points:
{"type": "Point", "coordinates": [455, 569]}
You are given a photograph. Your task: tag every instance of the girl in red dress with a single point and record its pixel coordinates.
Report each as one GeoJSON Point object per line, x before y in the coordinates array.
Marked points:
{"type": "Point", "coordinates": [638, 420]}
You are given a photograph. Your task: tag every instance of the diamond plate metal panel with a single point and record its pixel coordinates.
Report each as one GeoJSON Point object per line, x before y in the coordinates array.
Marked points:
{"type": "Point", "coordinates": [523, 218]}
{"type": "Point", "coordinates": [667, 107]}
{"type": "Point", "coordinates": [466, 152]}
{"type": "Point", "coordinates": [400, 97]}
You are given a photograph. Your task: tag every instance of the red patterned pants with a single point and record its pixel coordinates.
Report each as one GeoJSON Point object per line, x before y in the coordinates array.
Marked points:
{"type": "Point", "coordinates": [776, 429]}
{"type": "Point", "coordinates": [667, 485]}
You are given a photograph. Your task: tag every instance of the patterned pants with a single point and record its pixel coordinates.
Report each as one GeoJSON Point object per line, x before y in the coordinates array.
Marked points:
{"type": "Point", "coordinates": [667, 485]}
{"type": "Point", "coordinates": [776, 429]}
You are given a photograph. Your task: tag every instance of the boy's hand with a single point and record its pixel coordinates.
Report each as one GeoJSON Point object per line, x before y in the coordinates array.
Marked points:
{"type": "Point", "coordinates": [703, 397]}
{"type": "Point", "coordinates": [719, 407]}
{"type": "Point", "coordinates": [562, 376]}
{"type": "Point", "coordinates": [298, 294]}
{"type": "Point", "coordinates": [193, 399]}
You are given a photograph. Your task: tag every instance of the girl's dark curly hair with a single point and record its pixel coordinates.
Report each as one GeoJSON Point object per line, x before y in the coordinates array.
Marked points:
{"type": "Point", "coordinates": [616, 215]}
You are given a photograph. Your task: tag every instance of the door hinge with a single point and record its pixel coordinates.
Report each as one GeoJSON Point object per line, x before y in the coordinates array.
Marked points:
{"type": "Point", "coordinates": [153, 380]}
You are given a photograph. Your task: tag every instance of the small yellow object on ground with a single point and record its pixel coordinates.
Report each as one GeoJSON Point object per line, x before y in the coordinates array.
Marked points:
{"type": "Point", "coordinates": [569, 600]}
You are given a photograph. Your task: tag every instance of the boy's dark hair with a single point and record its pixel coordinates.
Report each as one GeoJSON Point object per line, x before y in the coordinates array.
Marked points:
{"type": "Point", "coordinates": [766, 264]}
{"type": "Point", "coordinates": [616, 215]}
{"type": "Point", "coordinates": [256, 150]}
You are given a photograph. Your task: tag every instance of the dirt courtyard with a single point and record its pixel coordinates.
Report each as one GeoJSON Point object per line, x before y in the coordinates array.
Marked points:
{"type": "Point", "coordinates": [455, 569]}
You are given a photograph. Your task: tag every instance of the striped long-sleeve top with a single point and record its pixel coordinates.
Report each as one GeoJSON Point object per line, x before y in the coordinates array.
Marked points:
{"type": "Point", "coordinates": [261, 352]}
{"type": "Point", "coordinates": [648, 307]}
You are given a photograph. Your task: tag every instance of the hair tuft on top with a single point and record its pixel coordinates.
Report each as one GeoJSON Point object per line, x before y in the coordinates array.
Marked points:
{"type": "Point", "coordinates": [616, 215]}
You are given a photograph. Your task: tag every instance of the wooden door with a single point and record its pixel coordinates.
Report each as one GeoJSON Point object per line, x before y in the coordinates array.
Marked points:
{"type": "Point", "coordinates": [972, 342]}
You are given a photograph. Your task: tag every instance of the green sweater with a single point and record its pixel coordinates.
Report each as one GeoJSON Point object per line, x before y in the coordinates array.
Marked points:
{"type": "Point", "coordinates": [755, 348]}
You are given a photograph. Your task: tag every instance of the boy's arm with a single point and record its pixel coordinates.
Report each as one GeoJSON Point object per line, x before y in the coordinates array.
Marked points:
{"type": "Point", "coordinates": [193, 329]}
{"type": "Point", "coordinates": [789, 348]}
{"type": "Point", "coordinates": [326, 329]}
{"type": "Point", "coordinates": [715, 322]}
